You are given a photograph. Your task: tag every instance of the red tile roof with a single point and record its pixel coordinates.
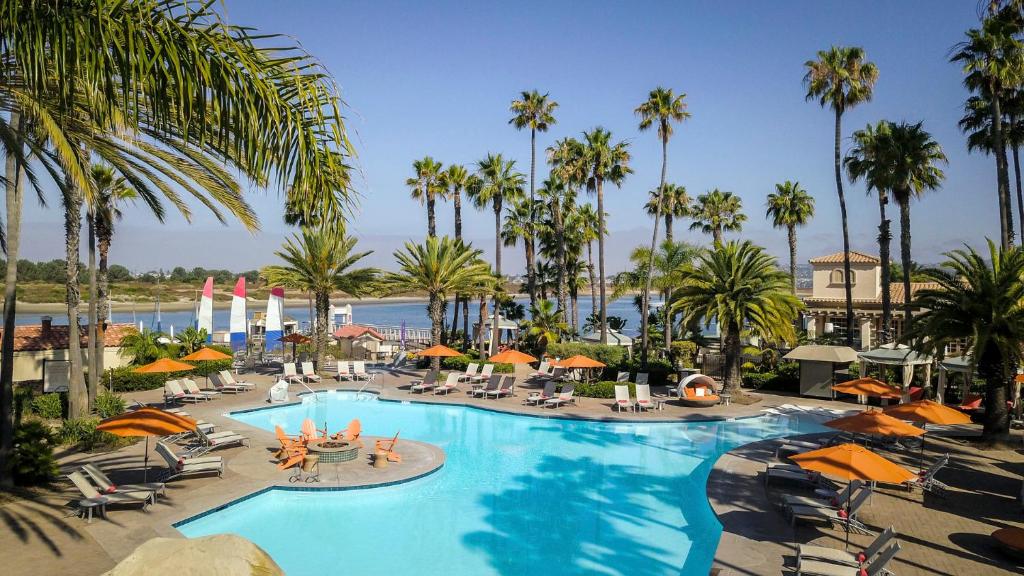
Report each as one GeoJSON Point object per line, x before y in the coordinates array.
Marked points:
{"type": "Point", "coordinates": [355, 331]}
{"type": "Point", "coordinates": [31, 337]}
{"type": "Point", "coordinates": [895, 294]}
{"type": "Point", "coordinates": [855, 258]}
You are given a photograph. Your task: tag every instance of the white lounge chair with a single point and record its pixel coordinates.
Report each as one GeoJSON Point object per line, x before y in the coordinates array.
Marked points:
{"type": "Point", "coordinates": [507, 388]}
{"type": "Point", "coordinates": [794, 473]}
{"type": "Point", "coordinates": [484, 375]}
{"type": "Point", "coordinates": [834, 516]}
{"type": "Point", "coordinates": [622, 399]}
{"type": "Point", "coordinates": [140, 498]}
{"type": "Point", "coordinates": [563, 397]}
{"type": "Point", "coordinates": [471, 371]}
{"type": "Point", "coordinates": [227, 378]}
{"type": "Point", "coordinates": [206, 443]}
{"type": "Point", "coordinates": [309, 373]}
{"type": "Point", "coordinates": [428, 383]}
{"type": "Point", "coordinates": [174, 393]}
{"type": "Point", "coordinates": [343, 371]}
{"type": "Point", "coordinates": [875, 567]}
{"type": "Point", "coordinates": [491, 386]}
{"type": "Point", "coordinates": [452, 383]}
{"type": "Point", "coordinates": [220, 386]}
{"type": "Point", "coordinates": [535, 398]}
{"type": "Point", "coordinates": [826, 500]}
{"type": "Point", "coordinates": [191, 388]}
{"type": "Point", "coordinates": [359, 371]}
{"type": "Point", "coordinates": [926, 479]}
{"type": "Point", "coordinates": [808, 552]}
{"type": "Point", "coordinates": [622, 377]}
{"type": "Point", "coordinates": [103, 481]}
{"type": "Point", "coordinates": [184, 465]}
{"type": "Point", "coordinates": [643, 396]}
{"type": "Point", "coordinates": [290, 374]}
{"type": "Point", "coordinates": [641, 378]}
{"type": "Point", "coordinates": [542, 371]}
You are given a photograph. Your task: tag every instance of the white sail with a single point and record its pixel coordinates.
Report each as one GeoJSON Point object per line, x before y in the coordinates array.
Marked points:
{"type": "Point", "coordinates": [238, 333]}
{"type": "Point", "coordinates": [205, 318]}
{"type": "Point", "coordinates": [275, 312]}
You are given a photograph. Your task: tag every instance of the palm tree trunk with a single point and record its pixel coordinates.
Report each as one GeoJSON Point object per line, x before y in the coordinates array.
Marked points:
{"type": "Point", "coordinates": [668, 225]}
{"type": "Point", "coordinates": [323, 310]}
{"type": "Point", "coordinates": [575, 314]}
{"type": "Point", "coordinates": [600, 261]}
{"type": "Point", "coordinates": [95, 345]}
{"type": "Point", "coordinates": [593, 279]}
{"type": "Point", "coordinates": [495, 326]}
{"type": "Point", "coordinates": [78, 396]}
{"type": "Point", "coordinates": [481, 335]}
{"type": "Point", "coordinates": [1020, 193]}
{"type": "Point", "coordinates": [884, 238]}
{"type": "Point", "coordinates": [644, 316]}
{"type": "Point", "coordinates": [436, 317]}
{"type": "Point", "coordinates": [992, 369]}
{"type": "Point", "coordinates": [531, 272]}
{"type": "Point", "coordinates": [556, 215]}
{"type": "Point", "coordinates": [102, 288]}
{"type": "Point", "coordinates": [733, 353]}
{"type": "Point", "coordinates": [716, 235]}
{"type": "Point", "coordinates": [905, 257]}
{"type": "Point", "coordinates": [455, 320]}
{"type": "Point", "coordinates": [848, 287]}
{"type": "Point", "coordinates": [13, 192]}
{"type": "Point", "coordinates": [791, 232]}
{"type": "Point", "coordinates": [465, 321]}
{"type": "Point", "coordinates": [1002, 177]}
{"type": "Point", "coordinates": [457, 201]}
{"type": "Point", "coordinates": [668, 320]}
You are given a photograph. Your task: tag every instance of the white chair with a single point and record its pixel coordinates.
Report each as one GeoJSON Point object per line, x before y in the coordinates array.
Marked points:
{"type": "Point", "coordinates": [641, 378]}
{"type": "Point", "coordinates": [484, 375]}
{"type": "Point", "coordinates": [622, 400]}
{"type": "Point", "coordinates": [452, 383]}
{"type": "Point", "coordinates": [542, 371]}
{"type": "Point", "coordinates": [359, 371]}
{"type": "Point", "coordinates": [622, 377]}
{"type": "Point", "coordinates": [643, 396]}
{"type": "Point", "coordinates": [309, 373]}
{"type": "Point", "coordinates": [471, 371]}
{"type": "Point", "coordinates": [290, 375]}
{"type": "Point", "coordinates": [343, 370]}
{"type": "Point", "coordinates": [228, 379]}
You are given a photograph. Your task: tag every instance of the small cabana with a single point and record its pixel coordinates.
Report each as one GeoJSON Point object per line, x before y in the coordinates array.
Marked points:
{"type": "Point", "coordinates": [615, 338]}
{"type": "Point", "coordinates": [951, 367]}
{"type": "Point", "coordinates": [898, 355]}
{"type": "Point", "coordinates": [818, 365]}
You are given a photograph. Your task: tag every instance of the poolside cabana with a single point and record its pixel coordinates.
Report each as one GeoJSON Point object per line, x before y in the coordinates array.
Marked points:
{"type": "Point", "coordinates": [818, 365]}
{"type": "Point", "coordinates": [898, 355]}
{"type": "Point", "coordinates": [949, 367]}
{"type": "Point", "coordinates": [615, 338]}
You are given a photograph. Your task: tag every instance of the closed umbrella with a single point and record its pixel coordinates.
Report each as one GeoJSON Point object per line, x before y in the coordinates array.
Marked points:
{"type": "Point", "coordinates": [147, 422]}
{"type": "Point", "coordinates": [205, 354]}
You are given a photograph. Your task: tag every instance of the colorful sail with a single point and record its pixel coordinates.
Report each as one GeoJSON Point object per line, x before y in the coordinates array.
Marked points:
{"type": "Point", "coordinates": [238, 316]}
{"type": "Point", "coordinates": [275, 312]}
{"type": "Point", "coordinates": [205, 318]}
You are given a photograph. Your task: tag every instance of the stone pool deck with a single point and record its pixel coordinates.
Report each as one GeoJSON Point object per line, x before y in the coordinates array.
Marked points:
{"type": "Point", "coordinates": [42, 536]}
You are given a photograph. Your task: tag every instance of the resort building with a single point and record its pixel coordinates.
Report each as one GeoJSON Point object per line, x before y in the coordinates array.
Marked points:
{"type": "Point", "coordinates": [825, 316]}
{"type": "Point", "coordinates": [41, 352]}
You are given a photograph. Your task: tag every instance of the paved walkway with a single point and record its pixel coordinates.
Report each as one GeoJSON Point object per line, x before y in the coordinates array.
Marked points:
{"type": "Point", "coordinates": [40, 535]}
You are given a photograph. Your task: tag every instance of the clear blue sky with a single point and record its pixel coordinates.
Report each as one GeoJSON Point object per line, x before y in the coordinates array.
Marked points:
{"type": "Point", "coordinates": [437, 78]}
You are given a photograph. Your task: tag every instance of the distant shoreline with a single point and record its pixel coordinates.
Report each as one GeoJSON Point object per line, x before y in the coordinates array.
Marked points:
{"type": "Point", "coordinates": [179, 306]}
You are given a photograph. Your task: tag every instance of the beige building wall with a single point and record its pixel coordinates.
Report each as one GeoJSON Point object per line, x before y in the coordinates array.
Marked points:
{"type": "Point", "coordinates": [28, 365]}
{"type": "Point", "coordinates": [828, 281]}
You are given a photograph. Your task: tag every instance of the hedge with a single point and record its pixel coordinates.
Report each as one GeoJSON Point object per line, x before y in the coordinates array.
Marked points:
{"type": "Point", "coordinates": [684, 353]}
{"type": "Point", "coordinates": [125, 379]}
{"type": "Point", "coordinates": [602, 389]}
{"type": "Point", "coordinates": [460, 363]}
{"type": "Point", "coordinates": [786, 378]}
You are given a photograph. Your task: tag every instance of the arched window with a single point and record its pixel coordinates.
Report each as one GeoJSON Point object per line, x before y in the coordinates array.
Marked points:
{"type": "Point", "coordinates": [836, 277]}
{"type": "Point", "coordinates": [853, 277]}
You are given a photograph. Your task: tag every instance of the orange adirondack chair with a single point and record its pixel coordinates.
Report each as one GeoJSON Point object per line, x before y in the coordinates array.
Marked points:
{"type": "Point", "coordinates": [287, 442]}
{"type": "Point", "coordinates": [388, 446]}
{"type": "Point", "coordinates": [310, 433]}
{"type": "Point", "coordinates": [351, 433]}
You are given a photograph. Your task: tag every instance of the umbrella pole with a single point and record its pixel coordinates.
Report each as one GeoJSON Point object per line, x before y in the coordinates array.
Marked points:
{"type": "Point", "coordinates": [145, 462]}
{"type": "Point", "coordinates": [847, 523]}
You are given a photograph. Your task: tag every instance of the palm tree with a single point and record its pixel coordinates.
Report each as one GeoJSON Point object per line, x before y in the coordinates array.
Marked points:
{"type": "Point", "coordinates": [788, 207]}
{"type": "Point", "coordinates": [675, 203]}
{"type": "Point", "coordinates": [583, 220]}
{"type": "Point", "coordinates": [978, 301]}
{"type": "Point", "coordinates": [441, 267]}
{"type": "Point", "coordinates": [716, 212]}
{"type": "Point", "coordinates": [866, 160]}
{"type": "Point", "coordinates": [841, 78]}
{"type": "Point", "coordinates": [498, 181]}
{"type": "Point", "coordinates": [546, 325]}
{"type": "Point", "coordinates": [661, 108]}
{"type": "Point", "coordinates": [518, 226]}
{"type": "Point", "coordinates": [190, 340]}
{"type": "Point", "coordinates": [320, 261]}
{"type": "Point", "coordinates": [456, 180]}
{"type": "Point", "coordinates": [567, 175]}
{"type": "Point", "coordinates": [142, 347]}
{"type": "Point", "coordinates": [605, 162]}
{"type": "Point", "coordinates": [426, 186]}
{"type": "Point", "coordinates": [535, 111]}
{"type": "Point", "coordinates": [739, 286]}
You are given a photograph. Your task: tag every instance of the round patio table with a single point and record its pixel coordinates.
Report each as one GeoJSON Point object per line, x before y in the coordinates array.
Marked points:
{"type": "Point", "coordinates": [334, 451]}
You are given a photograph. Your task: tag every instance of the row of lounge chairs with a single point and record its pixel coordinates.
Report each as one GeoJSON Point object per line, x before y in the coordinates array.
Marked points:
{"type": "Point", "coordinates": [186, 390]}
{"type": "Point", "coordinates": [308, 374]}
{"type": "Point", "coordinates": [549, 398]}
{"type": "Point", "coordinates": [641, 402]}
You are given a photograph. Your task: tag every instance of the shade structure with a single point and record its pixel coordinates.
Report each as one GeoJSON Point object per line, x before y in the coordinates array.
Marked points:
{"type": "Point", "coordinates": [295, 338]}
{"type": "Point", "coordinates": [206, 355]}
{"type": "Point", "coordinates": [512, 357]}
{"type": "Point", "coordinates": [580, 361]}
{"type": "Point", "coordinates": [147, 422]}
{"type": "Point", "coordinates": [868, 387]}
{"type": "Point", "coordinates": [853, 462]}
{"type": "Point", "coordinates": [164, 365]}
{"type": "Point", "coordinates": [440, 350]}
{"type": "Point", "coordinates": [928, 412]}
{"type": "Point", "coordinates": [875, 422]}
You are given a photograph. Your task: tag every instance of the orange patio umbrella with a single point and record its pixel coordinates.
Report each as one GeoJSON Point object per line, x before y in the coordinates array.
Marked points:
{"type": "Point", "coordinates": [928, 412]}
{"type": "Point", "coordinates": [875, 422]}
{"type": "Point", "coordinates": [512, 357]}
{"type": "Point", "coordinates": [164, 365]}
{"type": "Point", "coordinates": [147, 422]}
{"type": "Point", "coordinates": [580, 361]}
{"type": "Point", "coordinates": [440, 350]}
{"type": "Point", "coordinates": [868, 387]}
{"type": "Point", "coordinates": [206, 355]}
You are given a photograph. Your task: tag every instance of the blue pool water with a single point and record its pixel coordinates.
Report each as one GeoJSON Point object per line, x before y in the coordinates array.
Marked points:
{"type": "Point", "coordinates": [517, 495]}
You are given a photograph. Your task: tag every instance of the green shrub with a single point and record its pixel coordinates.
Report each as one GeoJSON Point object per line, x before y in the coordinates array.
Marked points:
{"type": "Point", "coordinates": [32, 460]}
{"type": "Point", "coordinates": [108, 404]}
{"type": "Point", "coordinates": [748, 366]}
{"type": "Point", "coordinates": [460, 363]}
{"type": "Point", "coordinates": [684, 354]}
{"type": "Point", "coordinates": [785, 379]}
{"type": "Point", "coordinates": [82, 432]}
{"type": "Point", "coordinates": [23, 397]}
{"type": "Point", "coordinates": [612, 356]}
{"type": "Point", "coordinates": [602, 389]}
{"type": "Point", "coordinates": [49, 406]}
{"type": "Point", "coordinates": [659, 372]}
{"type": "Point", "coordinates": [211, 367]}
{"type": "Point", "coordinates": [123, 379]}
{"type": "Point", "coordinates": [758, 380]}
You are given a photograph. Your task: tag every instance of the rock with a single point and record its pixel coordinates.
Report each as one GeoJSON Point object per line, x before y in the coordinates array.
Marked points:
{"type": "Point", "coordinates": [216, 555]}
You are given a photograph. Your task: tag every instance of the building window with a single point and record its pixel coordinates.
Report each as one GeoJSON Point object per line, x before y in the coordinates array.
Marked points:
{"type": "Point", "coordinates": [836, 277]}
{"type": "Point", "coordinates": [853, 278]}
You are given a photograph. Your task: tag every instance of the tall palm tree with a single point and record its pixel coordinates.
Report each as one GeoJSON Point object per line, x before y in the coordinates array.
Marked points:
{"type": "Point", "coordinates": [456, 180]}
{"type": "Point", "coordinates": [867, 160]}
{"type": "Point", "coordinates": [739, 286]}
{"type": "Point", "coordinates": [991, 58]}
{"type": "Point", "coordinates": [426, 186]}
{"type": "Point", "coordinates": [716, 212]}
{"type": "Point", "coordinates": [535, 111]}
{"type": "Point", "coordinates": [557, 197]}
{"type": "Point", "coordinates": [497, 182]}
{"type": "Point", "coordinates": [841, 78]}
{"type": "Point", "coordinates": [321, 261]}
{"type": "Point", "coordinates": [518, 226]}
{"type": "Point", "coordinates": [605, 162]}
{"type": "Point", "coordinates": [980, 301]}
{"type": "Point", "coordinates": [977, 124]}
{"type": "Point", "coordinates": [675, 203]}
{"type": "Point", "coordinates": [567, 169]}
{"type": "Point", "coordinates": [661, 109]}
{"type": "Point", "coordinates": [788, 207]}
{"type": "Point", "coordinates": [441, 267]}
{"type": "Point", "coordinates": [584, 221]}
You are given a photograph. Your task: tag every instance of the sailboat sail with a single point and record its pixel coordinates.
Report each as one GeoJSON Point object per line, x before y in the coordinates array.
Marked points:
{"type": "Point", "coordinates": [275, 311]}
{"type": "Point", "coordinates": [205, 319]}
{"type": "Point", "coordinates": [238, 316]}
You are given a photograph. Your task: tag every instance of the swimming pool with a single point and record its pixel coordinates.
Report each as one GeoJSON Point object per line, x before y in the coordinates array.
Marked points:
{"type": "Point", "coordinates": [517, 495]}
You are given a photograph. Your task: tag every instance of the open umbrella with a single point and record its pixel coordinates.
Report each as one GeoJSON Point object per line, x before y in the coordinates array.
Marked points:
{"type": "Point", "coordinates": [147, 422]}
{"type": "Point", "coordinates": [868, 387]}
{"type": "Point", "coordinates": [875, 423]}
{"type": "Point", "coordinates": [206, 355]}
{"type": "Point", "coordinates": [928, 412]}
{"type": "Point", "coordinates": [512, 357]}
{"type": "Point", "coordinates": [295, 339]}
{"type": "Point", "coordinates": [439, 350]}
{"type": "Point", "coordinates": [580, 362]}
{"type": "Point", "coordinates": [852, 462]}
{"type": "Point", "coordinates": [164, 365]}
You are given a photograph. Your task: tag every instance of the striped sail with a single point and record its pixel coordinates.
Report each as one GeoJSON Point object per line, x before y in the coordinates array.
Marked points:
{"type": "Point", "coordinates": [238, 316]}
{"type": "Point", "coordinates": [205, 319]}
{"type": "Point", "coordinates": [275, 310]}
